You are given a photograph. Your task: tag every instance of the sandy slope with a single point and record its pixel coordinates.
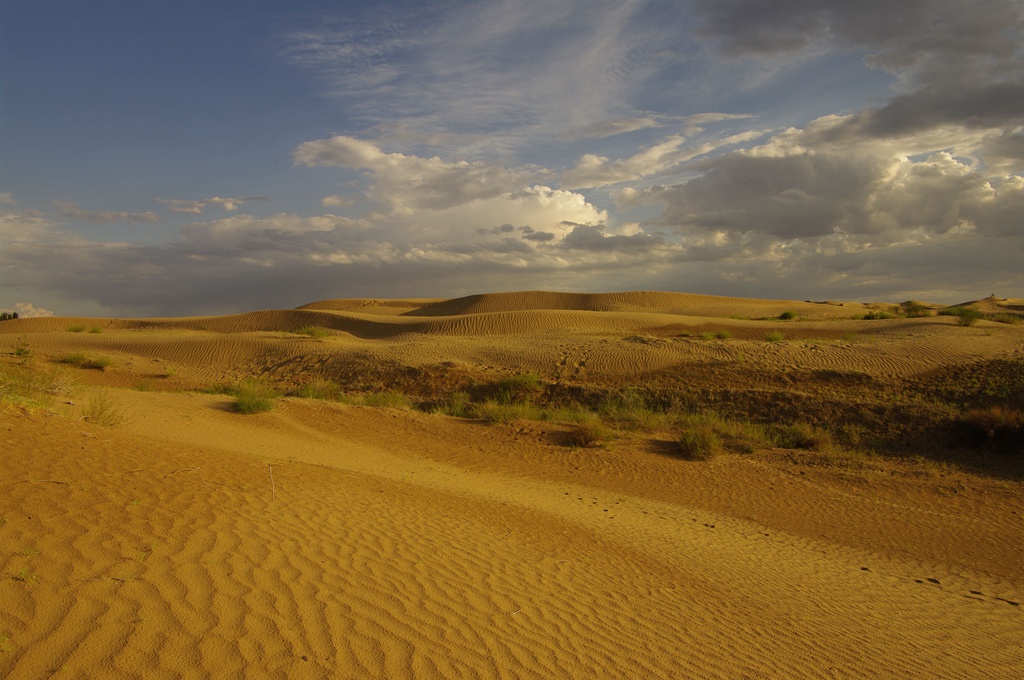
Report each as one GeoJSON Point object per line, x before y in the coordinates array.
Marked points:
{"type": "Point", "coordinates": [295, 544]}
{"type": "Point", "coordinates": [322, 541]}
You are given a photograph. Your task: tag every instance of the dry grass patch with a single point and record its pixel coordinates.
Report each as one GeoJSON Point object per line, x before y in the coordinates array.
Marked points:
{"type": "Point", "coordinates": [498, 412]}
{"type": "Point", "coordinates": [965, 316]}
{"type": "Point", "coordinates": [700, 442]}
{"type": "Point", "coordinates": [102, 409]}
{"type": "Point", "coordinates": [33, 390]}
{"type": "Point", "coordinates": [98, 362]}
{"type": "Point", "coordinates": [313, 331]}
{"type": "Point", "coordinates": [802, 436]}
{"type": "Point", "coordinates": [254, 396]}
{"type": "Point", "coordinates": [320, 389]}
{"type": "Point", "coordinates": [589, 432]}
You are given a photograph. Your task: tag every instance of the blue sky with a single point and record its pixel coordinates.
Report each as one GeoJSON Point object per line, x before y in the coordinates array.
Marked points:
{"type": "Point", "coordinates": [178, 158]}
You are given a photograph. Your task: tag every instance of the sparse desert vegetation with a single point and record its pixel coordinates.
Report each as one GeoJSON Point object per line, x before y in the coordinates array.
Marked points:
{"type": "Point", "coordinates": [97, 362]}
{"type": "Point", "coordinates": [313, 331]}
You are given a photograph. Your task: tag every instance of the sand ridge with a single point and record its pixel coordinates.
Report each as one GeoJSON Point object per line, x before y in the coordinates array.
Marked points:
{"type": "Point", "coordinates": [570, 335]}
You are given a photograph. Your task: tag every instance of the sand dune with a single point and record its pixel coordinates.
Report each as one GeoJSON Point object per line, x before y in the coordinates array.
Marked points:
{"type": "Point", "coordinates": [327, 541]}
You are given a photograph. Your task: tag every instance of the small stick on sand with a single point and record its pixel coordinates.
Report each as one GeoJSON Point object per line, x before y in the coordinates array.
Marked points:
{"type": "Point", "coordinates": [273, 491]}
{"type": "Point", "coordinates": [48, 481]}
{"type": "Point", "coordinates": [181, 470]}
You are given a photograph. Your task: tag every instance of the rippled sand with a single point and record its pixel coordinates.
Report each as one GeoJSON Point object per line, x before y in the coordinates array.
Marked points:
{"type": "Point", "coordinates": [326, 541]}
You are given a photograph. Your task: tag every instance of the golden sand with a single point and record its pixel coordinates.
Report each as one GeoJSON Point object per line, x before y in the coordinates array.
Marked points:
{"type": "Point", "coordinates": [319, 540]}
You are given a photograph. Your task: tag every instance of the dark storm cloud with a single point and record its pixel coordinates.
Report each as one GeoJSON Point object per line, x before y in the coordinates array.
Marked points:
{"type": "Point", "coordinates": [956, 61]}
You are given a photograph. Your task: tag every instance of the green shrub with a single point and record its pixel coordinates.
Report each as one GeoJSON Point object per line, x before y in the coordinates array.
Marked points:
{"type": "Point", "coordinates": [99, 363]}
{"type": "Point", "coordinates": [457, 404]}
{"type": "Point", "coordinates": [914, 309]}
{"type": "Point", "coordinates": [699, 443]}
{"type": "Point", "coordinates": [253, 395]}
{"type": "Point", "coordinates": [76, 329]}
{"type": "Point", "coordinates": [787, 316]}
{"type": "Point", "coordinates": [320, 389]}
{"type": "Point", "coordinates": [1003, 317]}
{"type": "Point", "coordinates": [22, 351]}
{"type": "Point", "coordinates": [589, 432]}
{"type": "Point", "coordinates": [102, 409]}
{"type": "Point", "coordinates": [774, 336]}
{"type": "Point", "coordinates": [966, 316]}
{"type": "Point", "coordinates": [220, 388]}
{"type": "Point", "coordinates": [32, 389]}
{"type": "Point", "coordinates": [313, 331]}
{"type": "Point", "coordinates": [802, 436]}
{"type": "Point", "coordinates": [873, 316]}
{"type": "Point", "coordinates": [624, 405]}
{"type": "Point", "coordinates": [723, 335]}
{"type": "Point", "coordinates": [501, 412]}
{"type": "Point", "coordinates": [95, 329]}
{"type": "Point", "coordinates": [517, 389]}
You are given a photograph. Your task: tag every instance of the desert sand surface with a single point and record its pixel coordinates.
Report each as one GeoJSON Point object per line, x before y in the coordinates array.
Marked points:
{"type": "Point", "coordinates": [328, 539]}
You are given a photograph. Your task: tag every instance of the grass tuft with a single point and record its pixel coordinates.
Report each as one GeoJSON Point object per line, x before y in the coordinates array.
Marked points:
{"type": "Point", "coordinates": [320, 389]}
{"type": "Point", "coordinates": [79, 360]}
{"type": "Point", "coordinates": [914, 310]}
{"type": "Point", "coordinates": [33, 390]}
{"type": "Point", "coordinates": [803, 436]}
{"type": "Point", "coordinates": [699, 442]}
{"type": "Point", "coordinates": [456, 404]}
{"type": "Point", "coordinates": [965, 316]}
{"type": "Point", "coordinates": [1003, 317]}
{"type": "Point", "coordinates": [499, 412]}
{"type": "Point", "coordinates": [313, 331]}
{"type": "Point", "coordinates": [774, 336]}
{"type": "Point", "coordinates": [589, 432]}
{"type": "Point", "coordinates": [102, 409]}
{"type": "Point", "coordinates": [254, 396]}
{"type": "Point", "coordinates": [517, 389]}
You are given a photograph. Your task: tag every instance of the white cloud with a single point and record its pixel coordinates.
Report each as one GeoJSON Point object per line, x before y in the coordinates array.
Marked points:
{"type": "Point", "coordinates": [335, 201]}
{"type": "Point", "coordinates": [71, 211]}
{"type": "Point", "coordinates": [596, 171]}
{"type": "Point", "coordinates": [610, 128]}
{"type": "Point", "coordinates": [705, 118]}
{"type": "Point", "coordinates": [188, 207]}
{"type": "Point", "coordinates": [918, 194]}
{"type": "Point", "coordinates": [26, 310]}
{"type": "Point", "coordinates": [498, 72]}
{"type": "Point", "coordinates": [403, 184]}
{"type": "Point", "coordinates": [6, 198]}
{"type": "Point", "coordinates": [246, 233]}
